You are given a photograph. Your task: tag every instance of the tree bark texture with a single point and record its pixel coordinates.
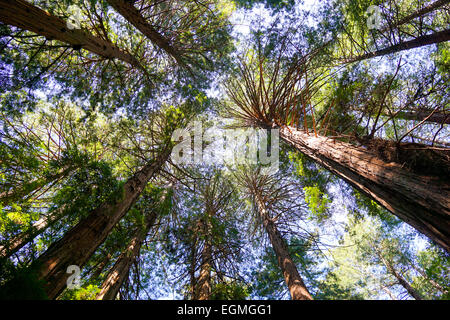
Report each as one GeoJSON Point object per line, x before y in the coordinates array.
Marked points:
{"type": "Point", "coordinates": [119, 272]}
{"type": "Point", "coordinates": [421, 201]}
{"type": "Point", "coordinates": [79, 243]}
{"type": "Point", "coordinates": [132, 15]}
{"type": "Point", "coordinates": [24, 15]}
{"type": "Point", "coordinates": [20, 240]}
{"type": "Point", "coordinates": [437, 37]}
{"type": "Point", "coordinates": [295, 284]}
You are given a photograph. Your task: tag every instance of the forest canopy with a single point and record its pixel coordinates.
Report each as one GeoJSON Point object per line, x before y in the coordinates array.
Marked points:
{"type": "Point", "coordinates": [224, 149]}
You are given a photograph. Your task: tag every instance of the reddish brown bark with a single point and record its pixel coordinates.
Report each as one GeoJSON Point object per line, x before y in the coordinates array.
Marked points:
{"type": "Point", "coordinates": [421, 41]}
{"type": "Point", "coordinates": [422, 201]}
{"type": "Point", "coordinates": [436, 117]}
{"type": "Point", "coordinates": [293, 280]}
{"type": "Point", "coordinates": [119, 272]}
{"type": "Point", "coordinates": [129, 12]}
{"type": "Point", "coordinates": [203, 283]}
{"type": "Point", "coordinates": [21, 14]}
{"type": "Point", "coordinates": [79, 243]}
{"type": "Point", "coordinates": [28, 187]}
{"type": "Point", "coordinates": [193, 262]}
{"type": "Point", "coordinates": [17, 242]}
{"type": "Point", "coordinates": [421, 12]}
{"type": "Point", "coordinates": [402, 281]}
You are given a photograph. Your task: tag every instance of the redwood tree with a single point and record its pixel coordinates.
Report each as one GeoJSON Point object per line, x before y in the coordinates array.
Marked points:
{"type": "Point", "coordinates": [276, 99]}
{"type": "Point", "coordinates": [121, 268]}
{"type": "Point", "coordinates": [24, 15]}
{"type": "Point", "coordinates": [78, 244]}
{"type": "Point", "coordinates": [257, 185]}
{"type": "Point", "coordinates": [153, 205]}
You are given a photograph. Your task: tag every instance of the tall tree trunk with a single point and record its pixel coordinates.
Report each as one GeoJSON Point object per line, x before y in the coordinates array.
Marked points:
{"type": "Point", "coordinates": [436, 285]}
{"type": "Point", "coordinates": [121, 268]}
{"type": "Point", "coordinates": [408, 287]}
{"type": "Point", "coordinates": [293, 279]}
{"type": "Point", "coordinates": [402, 281]}
{"type": "Point", "coordinates": [17, 242]}
{"type": "Point", "coordinates": [132, 15]}
{"type": "Point", "coordinates": [24, 15]}
{"type": "Point", "coordinates": [79, 243]}
{"type": "Point", "coordinates": [419, 200]}
{"type": "Point", "coordinates": [100, 266]}
{"type": "Point", "coordinates": [420, 115]}
{"type": "Point", "coordinates": [421, 41]}
{"type": "Point", "coordinates": [424, 10]}
{"type": "Point", "coordinates": [432, 141]}
{"type": "Point", "coordinates": [203, 283]}
{"type": "Point", "coordinates": [192, 267]}
{"type": "Point", "coordinates": [204, 280]}
{"type": "Point", "coordinates": [26, 188]}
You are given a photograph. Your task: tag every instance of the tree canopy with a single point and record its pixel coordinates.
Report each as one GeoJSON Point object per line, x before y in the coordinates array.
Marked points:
{"type": "Point", "coordinates": [224, 149]}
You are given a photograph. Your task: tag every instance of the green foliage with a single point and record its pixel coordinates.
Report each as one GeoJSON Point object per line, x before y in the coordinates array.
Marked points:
{"type": "Point", "coordinates": [268, 280]}
{"type": "Point", "coordinates": [229, 291]}
{"type": "Point", "coordinates": [317, 202]}
{"type": "Point", "coordinates": [373, 209]}
{"type": "Point", "coordinates": [434, 263]}
{"type": "Point", "coordinates": [273, 4]}
{"type": "Point", "coordinates": [13, 216]}
{"type": "Point", "coordinates": [74, 127]}
{"type": "Point", "coordinates": [308, 172]}
{"type": "Point", "coordinates": [333, 287]}
{"type": "Point", "coordinates": [371, 249]}
{"type": "Point", "coordinates": [315, 181]}
{"type": "Point", "coordinates": [90, 185]}
{"type": "Point", "coordinates": [16, 103]}
{"type": "Point", "coordinates": [442, 57]}
{"type": "Point", "coordinates": [88, 292]}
